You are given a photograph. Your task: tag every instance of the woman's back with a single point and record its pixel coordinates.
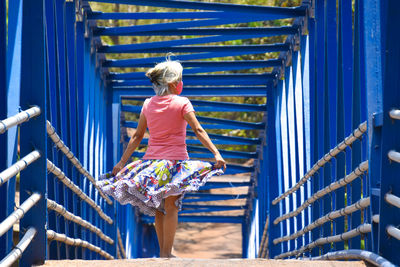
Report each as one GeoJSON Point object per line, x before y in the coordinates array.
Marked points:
{"type": "Point", "coordinates": [167, 127]}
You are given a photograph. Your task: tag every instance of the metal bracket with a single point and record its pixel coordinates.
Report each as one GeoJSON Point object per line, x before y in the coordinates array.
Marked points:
{"type": "Point", "coordinates": [377, 119]}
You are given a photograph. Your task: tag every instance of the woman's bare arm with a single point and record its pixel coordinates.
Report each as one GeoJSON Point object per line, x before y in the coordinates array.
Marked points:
{"type": "Point", "coordinates": [202, 135]}
{"type": "Point", "coordinates": [133, 144]}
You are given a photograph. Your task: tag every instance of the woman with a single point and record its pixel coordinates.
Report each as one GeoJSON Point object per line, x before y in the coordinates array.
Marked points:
{"type": "Point", "coordinates": [157, 183]}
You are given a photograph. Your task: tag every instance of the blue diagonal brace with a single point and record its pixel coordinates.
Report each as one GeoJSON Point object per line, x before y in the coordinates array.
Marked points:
{"type": "Point", "coordinates": [242, 91]}
{"type": "Point", "coordinates": [203, 79]}
{"type": "Point", "coordinates": [292, 11]}
{"type": "Point", "coordinates": [225, 153]}
{"type": "Point", "coordinates": [128, 48]}
{"type": "Point", "coordinates": [96, 15]}
{"type": "Point", "coordinates": [207, 51]}
{"type": "Point", "coordinates": [215, 185]}
{"type": "Point", "coordinates": [245, 32]}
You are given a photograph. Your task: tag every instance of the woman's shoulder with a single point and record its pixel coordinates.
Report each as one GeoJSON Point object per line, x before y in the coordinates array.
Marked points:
{"type": "Point", "coordinates": [147, 100]}
{"type": "Point", "coordinates": [181, 99]}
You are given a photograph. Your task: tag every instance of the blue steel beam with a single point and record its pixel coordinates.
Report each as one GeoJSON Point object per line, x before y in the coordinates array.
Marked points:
{"type": "Point", "coordinates": [208, 106]}
{"type": "Point", "coordinates": [232, 141]}
{"type": "Point", "coordinates": [205, 155]}
{"type": "Point", "coordinates": [215, 185]}
{"type": "Point", "coordinates": [201, 219]}
{"type": "Point", "coordinates": [219, 124]}
{"type": "Point", "coordinates": [96, 15]}
{"type": "Point", "coordinates": [242, 140]}
{"type": "Point", "coordinates": [128, 48]}
{"type": "Point", "coordinates": [199, 206]}
{"type": "Point", "coordinates": [215, 198]}
{"type": "Point", "coordinates": [248, 125]}
{"type": "Point", "coordinates": [213, 91]}
{"type": "Point", "coordinates": [241, 9]}
{"type": "Point", "coordinates": [201, 79]}
{"type": "Point", "coordinates": [139, 75]}
{"type": "Point", "coordinates": [205, 51]}
{"type": "Point", "coordinates": [216, 104]}
{"type": "Point", "coordinates": [208, 64]}
{"type": "Point", "coordinates": [153, 30]}
{"type": "Point", "coordinates": [226, 153]}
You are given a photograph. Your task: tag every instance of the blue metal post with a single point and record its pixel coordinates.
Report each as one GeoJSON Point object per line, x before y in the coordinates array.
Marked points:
{"type": "Point", "coordinates": [52, 115]}
{"type": "Point", "coordinates": [306, 90]}
{"type": "Point", "coordinates": [12, 71]}
{"type": "Point", "coordinates": [33, 133]}
{"type": "Point", "coordinates": [318, 125]}
{"type": "Point", "coordinates": [344, 64]}
{"type": "Point", "coordinates": [389, 247]}
{"type": "Point", "coordinates": [80, 71]}
{"type": "Point", "coordinates": [373, 82]}
{"type": "Point", "coordinates": [355, 218]}
{"type": "Point", "coordinates": [111, 230]}
{"type": "Point", "coordinates": [73, 108]}
{"type": "Point", "coordinates": [273, 162]}
{"type": "Point", "coordinates": [3, 115]}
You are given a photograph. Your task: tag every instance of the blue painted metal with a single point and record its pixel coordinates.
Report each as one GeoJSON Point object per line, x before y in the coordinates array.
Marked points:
{"type": "Point", "coordinates": [355, 219]}
{"type": "Point", "coordinates": [53, 155]}
{"type": "Point", "coordinates": [96, 15]}
{"type": "Point", "coordinates": [33, 133]}
{"type": "Point", "coordinates": [244, 32]}
{"type": "Point", "coordinates": [3, 114]}
{"type": "Point", "coordinates": [216, 139]}
{"type": "Point", "coordinates": [204, 51]}
{"type": "Point", "coordinates": [389, 215]}
{"type": "Point", "coordinates": [162, 44]}
{"type": "Point", "coordinates": [65, 193]}
{"type": "Point", "coordinates": [373, 82]}
{"type": "Point", "coordinates": [297, 11]}
{"type": "Point", "coordinates": [207, 106]}
{"type": "Point", "coordinates": [218, 79]}
{"type": "Point", "coordinates": [214, 123]}
{"type": "Point", "coordinates": [12, 68]}
{"type": "Point", "coordinates": [195, 91]}
{"type": "Point", "coordinates": [215, 185]}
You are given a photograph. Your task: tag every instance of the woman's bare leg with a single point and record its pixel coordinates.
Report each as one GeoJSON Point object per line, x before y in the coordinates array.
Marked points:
{"type": "Point", "coordinates": [170, 224]}
{"type": "Point", "coordinates": [159, 221]}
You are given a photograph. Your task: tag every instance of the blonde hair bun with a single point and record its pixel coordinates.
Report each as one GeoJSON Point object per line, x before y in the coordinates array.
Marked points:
{"type": "Point", "coordinates": [164, 73]}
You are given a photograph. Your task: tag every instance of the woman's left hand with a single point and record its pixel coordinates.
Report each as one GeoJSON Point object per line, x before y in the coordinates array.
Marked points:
{"type": "Point", "coordinates": [117, 168]}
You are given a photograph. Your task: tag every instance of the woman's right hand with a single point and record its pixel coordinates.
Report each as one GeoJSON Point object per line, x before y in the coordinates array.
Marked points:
{"type": "Point", "coordinates": [117, 168]}
{"type": "Point", "coordinates": [219, 162]}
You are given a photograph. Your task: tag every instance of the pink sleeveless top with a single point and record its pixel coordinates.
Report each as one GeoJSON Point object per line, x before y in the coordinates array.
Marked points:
{"type": "Point", "coordinates": [167, 127]}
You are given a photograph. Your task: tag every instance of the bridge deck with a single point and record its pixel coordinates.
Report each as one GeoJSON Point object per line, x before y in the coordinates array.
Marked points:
{"type": "Point", "coordinates": [177, 262]}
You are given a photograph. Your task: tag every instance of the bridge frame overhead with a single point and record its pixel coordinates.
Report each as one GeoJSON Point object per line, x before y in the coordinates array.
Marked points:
{"type": "Point", "coordinates": [327, 157]}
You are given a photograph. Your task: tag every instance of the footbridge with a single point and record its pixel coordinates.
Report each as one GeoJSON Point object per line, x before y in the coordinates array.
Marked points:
{"type": "Point", "coordinates": [303, 102]}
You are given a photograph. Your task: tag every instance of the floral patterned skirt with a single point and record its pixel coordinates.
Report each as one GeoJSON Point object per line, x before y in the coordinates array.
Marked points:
{"type": "Point", "coordinates": [145, 183]}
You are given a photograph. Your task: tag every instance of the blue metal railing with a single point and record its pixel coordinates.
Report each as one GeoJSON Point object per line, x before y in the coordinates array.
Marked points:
{"type": "Point", "coordinates": [326, 191]}
{"type": "Point", "coordinates": [9, 173]}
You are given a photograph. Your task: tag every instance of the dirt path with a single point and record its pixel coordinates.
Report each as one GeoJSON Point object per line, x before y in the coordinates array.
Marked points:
{"type": "Point", "coordinates": [213, 240]}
